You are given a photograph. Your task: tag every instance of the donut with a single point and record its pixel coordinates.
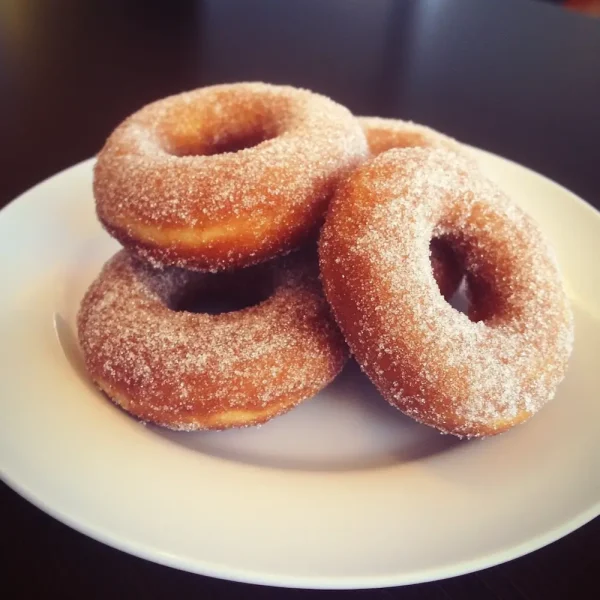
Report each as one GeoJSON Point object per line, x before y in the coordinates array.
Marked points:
{"type": "Point", "coordinates": [386, 134]}
{"type": "Point", "coordinates": [224, 176]}
{"type": "Point", "coordinates": [469, 375]}
{"type": "Point", "coordinates": [183, 370]}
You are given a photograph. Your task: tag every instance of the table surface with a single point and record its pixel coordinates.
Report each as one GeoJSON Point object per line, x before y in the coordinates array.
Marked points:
{"type": "Point", "coordinates": [516, 77]}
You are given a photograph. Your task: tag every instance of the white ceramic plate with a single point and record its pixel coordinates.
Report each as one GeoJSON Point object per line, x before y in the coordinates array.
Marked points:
{"type": "Point", "coordinates": [343, 492]}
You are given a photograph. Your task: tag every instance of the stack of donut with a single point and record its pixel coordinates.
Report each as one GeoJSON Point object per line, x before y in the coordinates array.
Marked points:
{"type": "Point", "coordinates": [225, 191]}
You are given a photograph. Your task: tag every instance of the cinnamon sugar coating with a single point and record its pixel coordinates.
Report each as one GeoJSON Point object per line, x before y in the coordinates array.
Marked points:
{"type": "Point", "coordinates": [386, 134]}
{"type": "Point", "coordinates": [188, 371]}
{"type": "Point", "coordinates": [473, 375]}
{"type": "Point", "coordinates": [224, 176]}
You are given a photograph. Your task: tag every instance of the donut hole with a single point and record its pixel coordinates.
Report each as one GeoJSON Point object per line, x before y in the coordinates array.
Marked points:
{"type": "Point", "coordinates": [232, 142]}
{"type": "Point", "coordinates": [220, 123]}
{"type": "Point", "coordinates": [460, 300]}
{"type": "Point", "coordinates": [219, 134]}
{"type": "Point", "coordinates": [484, 303]}
{"type": "Point", "coordinates": [223, 293]}
{"type": "Point", "coordinates": [446, 266]}
{"type": "Point", "coordinates": [237, 143]}
{"type": "Point", "coordinates": [466, 293]}
{"type": "Point", "coordinates": [467, 285]}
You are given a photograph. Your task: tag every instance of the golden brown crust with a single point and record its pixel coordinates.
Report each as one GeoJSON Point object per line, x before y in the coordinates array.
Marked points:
{"type": "Point", "coordinates": [385, 134]}
{"type": "Point", "coordinates": [224, 176]}
{"type": "Point", "coordinates": [466, 377]}
{"type": "Point", "coordinates": [188, 371]}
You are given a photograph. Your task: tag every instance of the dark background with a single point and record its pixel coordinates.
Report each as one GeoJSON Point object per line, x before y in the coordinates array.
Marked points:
{"type": "Point", "coordinates": [516, 77]}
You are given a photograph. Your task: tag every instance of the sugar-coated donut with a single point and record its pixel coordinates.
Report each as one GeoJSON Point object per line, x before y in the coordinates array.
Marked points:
{"type": "Point", "coordinates": [224, 176]}
{"type": "Point", "coordinates": [386, 134]}
{"type": "Point", "coordinates": [469, 376]}
{"type": "Point", "coordinates": [188, 371]}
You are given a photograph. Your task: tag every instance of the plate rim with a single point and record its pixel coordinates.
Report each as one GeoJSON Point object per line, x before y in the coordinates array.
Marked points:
{"type": "Point", "coordinates": [239, 575]}
{"type": "Point", "coordinates": [223, 571]}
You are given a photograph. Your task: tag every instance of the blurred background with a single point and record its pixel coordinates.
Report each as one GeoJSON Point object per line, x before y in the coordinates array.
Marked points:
{"type": "Point", "coordinates": [591, 7]}
{"type": "Point", "coordinates": [70, 70]}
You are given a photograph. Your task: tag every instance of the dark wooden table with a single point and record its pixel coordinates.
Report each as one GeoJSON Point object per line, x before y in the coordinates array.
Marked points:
{"type": "Point", "coordinates": [517, 77]}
